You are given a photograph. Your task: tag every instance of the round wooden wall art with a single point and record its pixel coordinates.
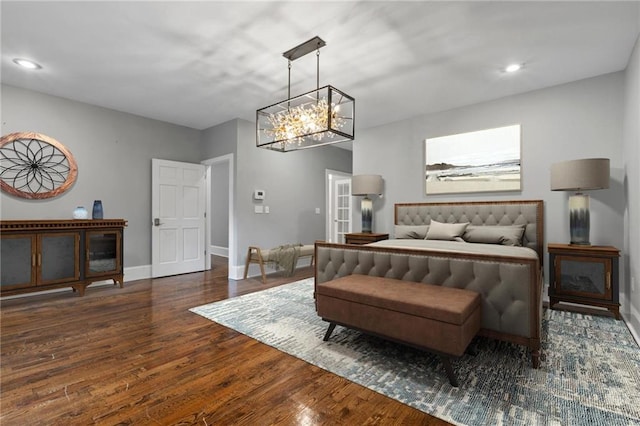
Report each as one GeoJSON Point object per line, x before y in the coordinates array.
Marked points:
{"type": "Point", "coordinates": [35, 166]}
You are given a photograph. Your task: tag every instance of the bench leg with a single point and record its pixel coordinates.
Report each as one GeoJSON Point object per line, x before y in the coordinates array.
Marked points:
{"type": "Point", "coordinates": [449, 369]}
{"type": "Point", "coordinates": [332, 326]}
{"type": "Point", "coordinates": [246, 265]}
{"type": "Point", "coordinates": [260, 262]}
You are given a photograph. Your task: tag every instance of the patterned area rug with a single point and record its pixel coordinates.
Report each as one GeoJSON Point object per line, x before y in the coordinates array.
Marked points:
{"type": "Point", "coordinates": [591, 374]}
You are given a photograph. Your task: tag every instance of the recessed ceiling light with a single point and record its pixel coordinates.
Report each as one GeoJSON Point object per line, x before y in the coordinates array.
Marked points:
{"type": "Point", "coordinates": [513, 67]}
{"type": "Point", "coordinates": [26, 63]}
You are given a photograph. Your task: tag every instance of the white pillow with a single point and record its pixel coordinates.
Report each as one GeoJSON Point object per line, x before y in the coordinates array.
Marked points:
{"type": "Point", "coordinates": [418, 232]}
{"type": "Point", "coordinates": [446, 231]}
{"type": "Point", "coordinates": [505, 235]}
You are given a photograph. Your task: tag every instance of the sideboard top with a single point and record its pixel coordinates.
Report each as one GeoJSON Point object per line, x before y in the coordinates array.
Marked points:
{"type": "Point", "coordinates": [60, 224]}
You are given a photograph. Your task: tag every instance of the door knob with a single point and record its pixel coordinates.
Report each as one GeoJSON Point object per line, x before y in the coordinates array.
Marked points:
{"type": "Point", "coordinates": [156, 221]}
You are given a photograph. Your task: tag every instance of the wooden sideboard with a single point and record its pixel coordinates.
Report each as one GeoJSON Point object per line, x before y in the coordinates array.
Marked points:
{"type": "Point", "coordinates": [37, 255]}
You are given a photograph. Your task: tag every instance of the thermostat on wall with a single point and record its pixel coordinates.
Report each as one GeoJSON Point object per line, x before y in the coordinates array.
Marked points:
{"type": "Point", "coordinates": [258, 194]}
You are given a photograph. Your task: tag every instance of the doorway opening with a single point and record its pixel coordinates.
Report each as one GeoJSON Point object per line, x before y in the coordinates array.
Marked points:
{"type": "Point", "coordinates": [220, 236]}
{"type": "Point", "coordinates": [338, 205]}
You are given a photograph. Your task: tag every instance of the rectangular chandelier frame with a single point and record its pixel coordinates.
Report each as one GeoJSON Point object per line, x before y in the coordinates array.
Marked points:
{"type": "Point", "coordinates": [331, 113]}
{"type": "Point", "coordinates": [319, 117]}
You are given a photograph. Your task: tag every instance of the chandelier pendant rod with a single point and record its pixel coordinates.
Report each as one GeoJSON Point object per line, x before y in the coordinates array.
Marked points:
{"type": "Point", "coordinates": [318, 74]}
{"type": "Point", "coordinates": [289, 87]}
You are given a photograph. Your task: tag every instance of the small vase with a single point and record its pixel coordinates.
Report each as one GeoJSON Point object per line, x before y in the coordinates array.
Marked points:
{"type": "Point", "coordinates": [97, 210]}
{"type": "Point", "coordinates": [80, 213]}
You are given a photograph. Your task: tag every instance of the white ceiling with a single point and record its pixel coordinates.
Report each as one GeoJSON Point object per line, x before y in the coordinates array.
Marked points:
{"type": "Point", "coordinates": [199, 64]}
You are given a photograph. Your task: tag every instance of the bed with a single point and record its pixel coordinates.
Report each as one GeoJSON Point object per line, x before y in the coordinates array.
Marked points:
{"type": "Point", "coordinates": [494, 248]}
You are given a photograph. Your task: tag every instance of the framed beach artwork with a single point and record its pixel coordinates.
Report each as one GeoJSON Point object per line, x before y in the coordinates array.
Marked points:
{"type": "Point", "coordinates": [482, 161]}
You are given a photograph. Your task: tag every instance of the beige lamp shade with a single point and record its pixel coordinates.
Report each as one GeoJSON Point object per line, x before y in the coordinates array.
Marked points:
{"type": "Point", "coordinates": [366, 184]}
{"type": "Point", "coordinates": [580, 175]}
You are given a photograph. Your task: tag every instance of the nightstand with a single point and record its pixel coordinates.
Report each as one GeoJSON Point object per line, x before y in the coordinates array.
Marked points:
{"type": "Point", "coordinates": [361, 238]}
{"type": "Point", "coordinates": [586, 275]}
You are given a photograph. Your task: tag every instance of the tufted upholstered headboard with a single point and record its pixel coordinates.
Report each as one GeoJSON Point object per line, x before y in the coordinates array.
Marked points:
{"type": "Point", "coordinates": [527, 212]}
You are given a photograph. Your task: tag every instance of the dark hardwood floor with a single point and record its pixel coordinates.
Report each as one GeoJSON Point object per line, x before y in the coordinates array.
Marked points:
{"type": "Point", "coordinates": [137, 356]}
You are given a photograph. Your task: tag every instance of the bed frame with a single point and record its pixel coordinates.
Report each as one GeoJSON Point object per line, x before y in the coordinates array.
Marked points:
{"type": "Point", "coordinates": [504, 213]}
{"type": "Point", "coordinates": [510, 286]}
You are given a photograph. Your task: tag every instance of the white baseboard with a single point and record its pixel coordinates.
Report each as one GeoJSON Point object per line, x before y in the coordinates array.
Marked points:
{"type": "Point", "coordinates": [137, 273]}
{"type": "Point", "coordinates": [237, 272]}
{"type": "Point", "coordinates": [633, 324]}
{"type": "Point", "coordinates": [219, 251]}
{"type": "Point", "coordinates": [631, 317]}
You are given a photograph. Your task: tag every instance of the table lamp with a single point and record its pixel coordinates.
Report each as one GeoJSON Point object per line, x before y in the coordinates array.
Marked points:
{"type": "Point", "coordinates": [580, 175]}
{"type": "Point", "coordinates": [366, 185]}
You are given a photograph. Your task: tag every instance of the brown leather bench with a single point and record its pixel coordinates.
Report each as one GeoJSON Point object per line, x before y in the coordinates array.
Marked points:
{"type": "Point", "coordinates": [438, 319]}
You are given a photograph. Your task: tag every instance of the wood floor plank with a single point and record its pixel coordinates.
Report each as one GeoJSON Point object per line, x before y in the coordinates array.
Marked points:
{"type": "Point", "coordinates": [136, 355]}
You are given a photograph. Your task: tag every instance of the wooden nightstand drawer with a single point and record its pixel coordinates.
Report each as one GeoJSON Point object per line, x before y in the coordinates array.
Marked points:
{"type": "Point", "coordinates": [361, 238]}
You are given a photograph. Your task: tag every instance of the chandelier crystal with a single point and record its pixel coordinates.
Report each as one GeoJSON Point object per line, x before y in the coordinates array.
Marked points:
{"type": "Point", "coordinates": [319, 117]}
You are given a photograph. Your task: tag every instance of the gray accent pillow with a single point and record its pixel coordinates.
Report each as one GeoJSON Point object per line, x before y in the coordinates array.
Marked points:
{"type": "Point", "coordinates": [505, 235]}
{"type": "Point", "coordinates": [416, 232]}
{"type": "Point", "coordinates": [446, 231]}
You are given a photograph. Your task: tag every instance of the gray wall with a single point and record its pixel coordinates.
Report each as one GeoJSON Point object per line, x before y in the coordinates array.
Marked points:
{"type": "Point", "coordinates": [631, 165]}
{"type": "Point", "coordinates": [217, 141]}
{"type": "Point", "coordinates": [113, 151]}
{"type": "Point", "coordinates": [294, 183]}
{"type": "Point", "coordinates": [575, 120]}
{"type": "Point", "coordinates": [220, 205]}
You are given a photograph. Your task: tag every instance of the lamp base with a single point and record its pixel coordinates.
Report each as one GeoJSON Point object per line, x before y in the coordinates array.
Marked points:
{"type": "Point", "coordinates": [366, 207]}
{"type": "Point", "coordinates": [579, 219]}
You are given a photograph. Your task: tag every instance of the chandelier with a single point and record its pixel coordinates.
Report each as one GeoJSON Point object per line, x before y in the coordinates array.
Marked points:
{"type": "Point", "coordinates": [320, 117]}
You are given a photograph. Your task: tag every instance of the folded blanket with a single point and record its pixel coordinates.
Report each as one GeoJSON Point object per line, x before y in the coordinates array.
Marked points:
{"type": "Point", "coordinates": [284, 257]}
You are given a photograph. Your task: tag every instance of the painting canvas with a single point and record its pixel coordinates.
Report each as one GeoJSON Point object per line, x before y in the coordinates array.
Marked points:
{"type": "Point", "coordinates": [486, 160]}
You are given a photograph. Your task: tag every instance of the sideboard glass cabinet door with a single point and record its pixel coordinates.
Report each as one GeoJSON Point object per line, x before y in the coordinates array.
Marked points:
{"type": "Point", "coordinates": [29, 260]}
{"type": "Point", "coordinates": [18, 261]}
{"type": "Point", "coordinates": [103, 253]}
{"type": "Point", "coordinates": [58, 258]}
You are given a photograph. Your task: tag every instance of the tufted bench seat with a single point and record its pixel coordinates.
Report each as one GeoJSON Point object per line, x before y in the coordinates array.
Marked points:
{"type": "Point", "coordinates": [439, 319]}
{"type": "Point", "coordinates": [260, 256]}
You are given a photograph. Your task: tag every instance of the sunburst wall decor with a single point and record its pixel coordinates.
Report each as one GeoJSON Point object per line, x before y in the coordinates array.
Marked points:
{"type": "Point", "coordinates": [35, 166]}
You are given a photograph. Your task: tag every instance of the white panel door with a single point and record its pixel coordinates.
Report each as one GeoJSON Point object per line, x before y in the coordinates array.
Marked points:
{"type": "Point", "coordinates": [341, 209]}
{"type": "Point", "coordinates": [178, 209]}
